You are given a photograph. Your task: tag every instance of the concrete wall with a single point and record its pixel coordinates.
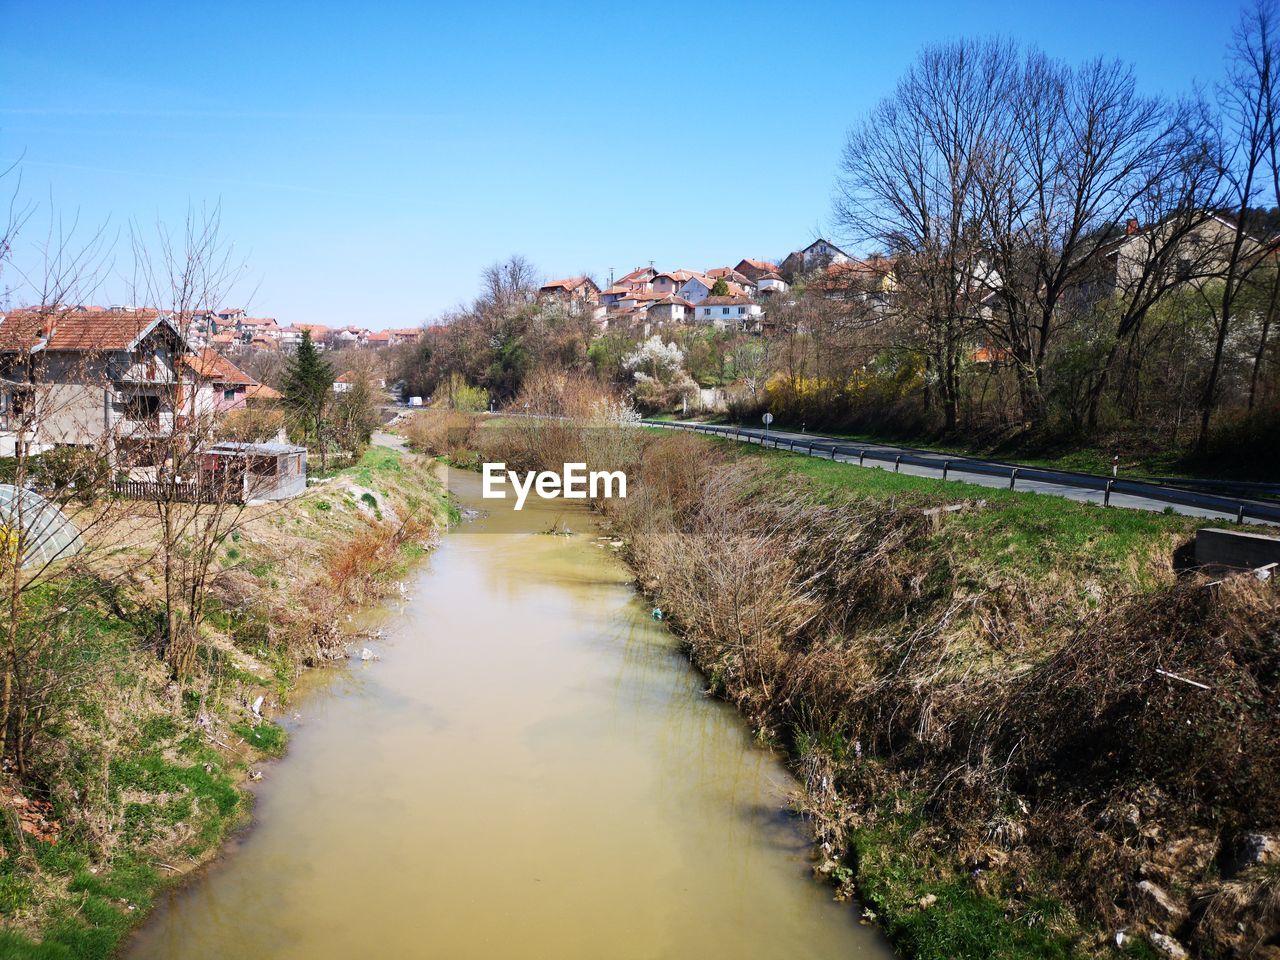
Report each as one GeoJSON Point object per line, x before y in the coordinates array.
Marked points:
{"type": "Point", "coordinates": [1235, 548]}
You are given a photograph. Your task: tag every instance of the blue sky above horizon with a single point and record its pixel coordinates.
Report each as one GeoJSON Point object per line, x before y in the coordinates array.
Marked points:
{"type": "Point", "coordinates": [370, 160]}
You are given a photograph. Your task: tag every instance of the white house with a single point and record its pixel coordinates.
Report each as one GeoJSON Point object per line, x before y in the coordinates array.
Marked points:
{"type": "Point", "coordinates": [669, 311]}
{"type": "Point", "coordinates": [697, 288]}
{"type": "Point", "coordinates": [770, 284]}
{"type": "Point", "coordinates": [730, 313]}
{"type": "Point", "coordinates": [820, 253]}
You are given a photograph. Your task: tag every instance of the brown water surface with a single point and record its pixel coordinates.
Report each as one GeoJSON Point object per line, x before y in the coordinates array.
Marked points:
{"type": "Point", "coordinates": [530, 770]}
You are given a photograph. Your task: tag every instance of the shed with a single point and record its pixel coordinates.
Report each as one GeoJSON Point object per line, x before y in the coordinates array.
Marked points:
{"type": "Point", "coordinates": [265, 471]}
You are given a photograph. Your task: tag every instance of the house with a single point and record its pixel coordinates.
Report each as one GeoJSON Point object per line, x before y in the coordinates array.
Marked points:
{"type": "Point", "coordinates": [573, 291]}
{"type": "Point", "coordinates": [729, 313]}
{"type": "Point", "coordinates": [753, 270]}
{"type": "Point", "coordinates": [669, 282]}
{"type": "Point", "coordinates": [615, 293]}
{"type": "Point", "coordinates": [320, 334]}
{"type": "Point", "coordinates": [873, 277]}
{"type": "Point", "coordinates": [670, 310]}
{"type": "Point", "coordinates": [405, 335]}
{"type": "Point", "coordinates": [348, 337]}
{"type": "Point", "coordinates": [641, 278]}
{"type": "Point", "coordinates": [260, 395]}
{"type": "Point", "coordinates": [258, 471]}
{"type": "Point", "coordinates": [730, 274]}
{"type": "Point", "coordinates": [819, 254]}
{"type": "Point", "coordinates": [219, 384]}
{"type": "Point", "coordinates": [344, 383]}
{"type": "Point", "coordinates": [697, 288]}
{"type": "Point", "coordinates": [111, 380]}
{"type": "Point", "coordinates": [1146, 254]}
{"type": "Point", "coordinates": [769, 284]}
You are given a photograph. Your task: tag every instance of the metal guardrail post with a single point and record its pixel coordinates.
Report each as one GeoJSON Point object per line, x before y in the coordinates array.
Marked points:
{"type": "Point", "coordinates": [946, 465]}
{"type": "Point", "coordinates": [1106, 494]}
{"type": "Point", "coordinates": [1013, 477]}
{"type": "Point", "coordinates": [897, 463]}
{"type": "Point", "coordinates": [862, 456]}
{"type": "Point", "coordinates": [1240, 515]}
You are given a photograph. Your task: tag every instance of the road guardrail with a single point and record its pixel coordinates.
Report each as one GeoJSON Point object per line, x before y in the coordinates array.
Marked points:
{"type": "Point", "coordinates": [1241, 509]}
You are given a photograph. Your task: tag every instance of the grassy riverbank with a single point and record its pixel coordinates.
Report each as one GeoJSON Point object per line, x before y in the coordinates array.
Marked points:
{"type": "Point", "coordinates": [992, 762]}
{"type": "Point", "coordinates": [1021, 731]}
{"type": "Point", "coordinates": [141, 781]}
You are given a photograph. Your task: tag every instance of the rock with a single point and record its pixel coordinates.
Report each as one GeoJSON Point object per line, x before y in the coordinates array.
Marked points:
{"type": "Point", "coordinates": [1168, 947]}
{"type": "Point", "coordinates": [1260, 848]}
{"type": "Point", "coordinates": [927, 901]}
{"type": "Point", "coordinates": [1159, 906]}
{"type": "Point", "coordinates": [1121, 938]}
{"type": "Point", "coordinates": [257, 706]}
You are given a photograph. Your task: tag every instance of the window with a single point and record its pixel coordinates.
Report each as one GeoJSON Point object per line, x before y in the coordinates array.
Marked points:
{"type": "Point", "coordinates": [141, 406]}
{"type": "Point", "coordinates": [229, 394]}
{"type": "Point", "coordinates": [724, 311]}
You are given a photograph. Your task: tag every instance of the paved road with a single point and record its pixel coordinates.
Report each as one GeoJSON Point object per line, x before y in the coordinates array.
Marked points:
{"type": "Point", "coordinates": [1037, 480]}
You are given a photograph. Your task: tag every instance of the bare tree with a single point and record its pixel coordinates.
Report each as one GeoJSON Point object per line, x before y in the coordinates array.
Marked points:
{"type": "Point", "coordinates": [1246, 102]}
{"type": "Point", "coordinates": [186, 272]}
{"type": "Point", "coordinates": [911, 183]}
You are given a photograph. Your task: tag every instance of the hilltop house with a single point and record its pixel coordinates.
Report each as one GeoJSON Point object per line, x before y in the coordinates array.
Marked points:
{"type": "Point", "coordinates": [819, 254]}
{"type": "Point", "coordinates": [671, 281]}
{"type": "Point", "coordinates": [697, 288]}
{"type": "Point", "coordinates": [770, 285]}
{"type": "Point", "coordinates": [669, 311]}
{"type": "Point", "coordinates": [1147, 255]}
{"type": "Point", "coordinates": [730, 313]}
{"type": "Point", "coordinates": [753, 270]}
{"type": "Point", "coordinates": [574, 290]}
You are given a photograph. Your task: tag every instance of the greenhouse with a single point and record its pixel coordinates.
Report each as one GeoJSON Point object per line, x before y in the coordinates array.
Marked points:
{"type": "Point", "coordinates": [48, 535]}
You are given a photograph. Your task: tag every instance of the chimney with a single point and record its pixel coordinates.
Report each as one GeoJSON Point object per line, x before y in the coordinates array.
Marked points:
{"type": "Point", "coordinates": [1131, 227]}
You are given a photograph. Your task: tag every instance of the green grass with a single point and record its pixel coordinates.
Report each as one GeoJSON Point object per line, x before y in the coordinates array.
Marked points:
{"type": "Point", "coordinates": [265, 737]}
{"type": "Point", "coordinates": [1034, 534]}
{"type": "Point", "coordinates": [1138, 458]}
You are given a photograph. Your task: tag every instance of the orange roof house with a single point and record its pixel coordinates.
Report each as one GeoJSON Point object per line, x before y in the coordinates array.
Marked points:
{"type": "Point", "coordinates": [573, 288]}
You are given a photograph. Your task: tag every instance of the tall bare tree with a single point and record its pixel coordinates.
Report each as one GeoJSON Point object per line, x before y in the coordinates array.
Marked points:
{"type": "Point", "coordinates": [1246, 101]}
{"type": "Point", "coordinates": [910, 182]}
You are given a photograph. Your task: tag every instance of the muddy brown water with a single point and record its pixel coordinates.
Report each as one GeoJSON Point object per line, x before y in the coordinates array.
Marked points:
{"type": "Point", "coordinates": [529, 770]}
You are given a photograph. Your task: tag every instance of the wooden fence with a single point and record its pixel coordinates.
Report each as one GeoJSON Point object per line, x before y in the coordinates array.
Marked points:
{"type": "Point", "coordinates": [187, 492]}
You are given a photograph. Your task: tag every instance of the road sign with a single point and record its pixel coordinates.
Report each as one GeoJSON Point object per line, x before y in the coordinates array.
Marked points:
{"type": "Point", "coordinates": [768, 419]}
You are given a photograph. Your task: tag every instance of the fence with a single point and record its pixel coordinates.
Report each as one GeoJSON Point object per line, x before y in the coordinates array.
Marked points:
{"type": "Point", "coordinates": [1239, 508]}
{"type": "Point", "coordinates": [186, 492]}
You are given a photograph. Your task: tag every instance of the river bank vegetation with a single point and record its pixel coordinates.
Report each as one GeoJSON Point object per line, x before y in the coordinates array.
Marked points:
{"type": "Point", "coordinates": [133, 771]}
{"type": "Point", "coordinates": [1022, 732]}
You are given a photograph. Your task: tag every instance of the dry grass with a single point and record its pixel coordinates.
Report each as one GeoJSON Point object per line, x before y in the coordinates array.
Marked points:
{"type": "Point", "coordinates": [1020, 718]}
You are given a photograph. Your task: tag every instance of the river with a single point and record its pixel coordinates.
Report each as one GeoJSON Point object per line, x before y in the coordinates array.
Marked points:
{"type": "Point", "coordinates": [529, 770]}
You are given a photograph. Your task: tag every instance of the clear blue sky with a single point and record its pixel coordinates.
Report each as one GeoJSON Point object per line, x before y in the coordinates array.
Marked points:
{"type": "Point", "coordinates": [371, 158]}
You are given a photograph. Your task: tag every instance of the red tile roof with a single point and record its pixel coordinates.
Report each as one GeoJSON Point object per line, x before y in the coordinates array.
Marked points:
{"type": "Point", "coordinates": [260, 391]}
{"type": "Point", "coordinates": [75, 330]}
{"type": "Point", "coordinates": [726, 302]}
{"type": "Point", "coordinates": [212, 366]}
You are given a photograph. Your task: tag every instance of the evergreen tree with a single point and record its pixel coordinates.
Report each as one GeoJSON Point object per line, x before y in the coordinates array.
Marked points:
{"type": "Point", "coordinates": [308, 390]}
{"type": "Point", "coordinates": [720, 288]}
